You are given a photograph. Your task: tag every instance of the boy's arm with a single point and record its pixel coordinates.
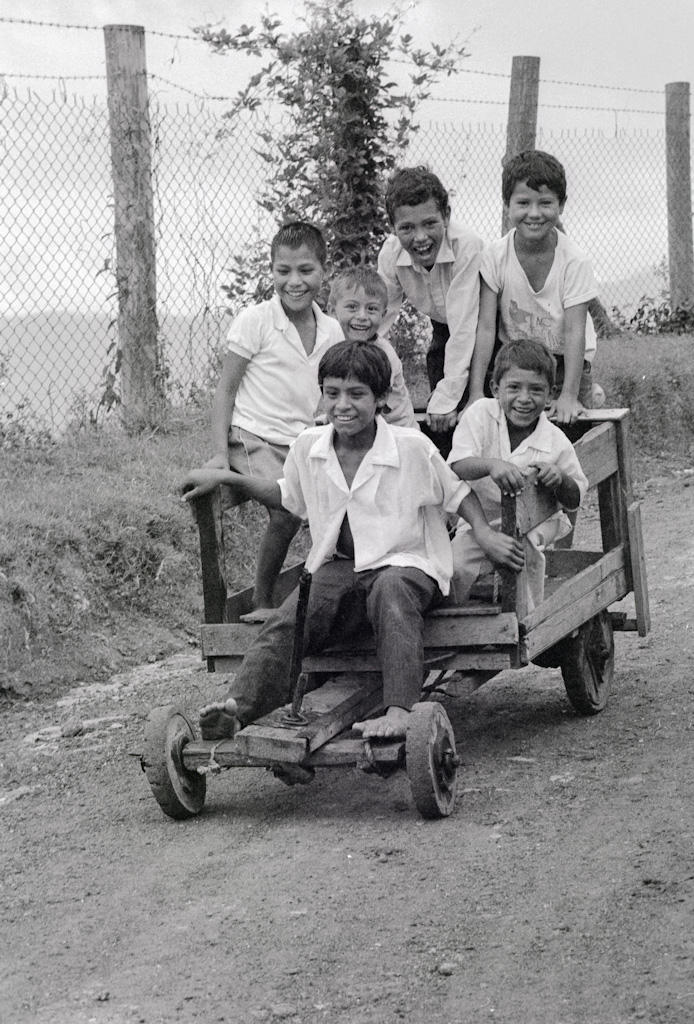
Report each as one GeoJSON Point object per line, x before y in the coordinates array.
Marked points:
{"type": "Point", "coordinates": [561, 484]}
{"type": "Point", "coordinates": [462, 311]}
{"type": "Point", "coordinates": [484, 341]}
{"type": "Point", "coordinates": [386, 268]}
{"type": "Point", "coordinates": [399, 403]}
{"type": "Point", "coordinates": [233, 369]}
{"type": "Point", "coordinates": [499, 547]}
{"type": "Point", "coordinates": [200, 481]}
{"type": "Point", "coordinates": [508, 478]}
{"type": "Point", "coordinates": [566, 408]}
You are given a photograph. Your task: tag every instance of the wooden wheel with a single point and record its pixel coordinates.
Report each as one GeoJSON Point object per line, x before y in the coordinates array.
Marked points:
{"type": "Point", "coordinates": [179, 792]}
{"type": "Point", "coordinates": [587, 664]}
{"type": "Point", "coordinates": [431, 760]}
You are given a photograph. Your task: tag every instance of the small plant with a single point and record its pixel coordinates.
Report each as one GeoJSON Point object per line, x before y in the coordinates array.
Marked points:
{"type": "Point", "coordinates": [21, 428]}
{"type": "Point", "coordinates": [657, 317]}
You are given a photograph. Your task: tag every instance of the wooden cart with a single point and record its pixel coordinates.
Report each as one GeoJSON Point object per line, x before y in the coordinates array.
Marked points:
{"type": "Point", "coordinates": [571, 629]}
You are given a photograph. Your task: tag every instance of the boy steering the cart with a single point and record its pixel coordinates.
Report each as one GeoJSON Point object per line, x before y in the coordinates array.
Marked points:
{"type": "Point", "coordinates": [375, 497]}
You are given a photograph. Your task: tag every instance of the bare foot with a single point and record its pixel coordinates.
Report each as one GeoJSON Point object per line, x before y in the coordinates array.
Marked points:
{"type": "Point", "coordinates": [391, 726]}
{"type": "Point", "coordinates": [219, 721]}
{"type": "Point", "coordinates": [257, 615]}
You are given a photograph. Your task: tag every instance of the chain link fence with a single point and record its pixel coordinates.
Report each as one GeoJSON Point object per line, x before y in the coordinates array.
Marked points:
{"type": "Point", "coordinates": [59, 305]}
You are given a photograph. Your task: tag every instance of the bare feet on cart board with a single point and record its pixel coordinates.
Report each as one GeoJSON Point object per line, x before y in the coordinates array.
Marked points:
{"type": "Point", "coordinates": [219, 721]}
{"type": "Point", "coordinates": [391, 726]}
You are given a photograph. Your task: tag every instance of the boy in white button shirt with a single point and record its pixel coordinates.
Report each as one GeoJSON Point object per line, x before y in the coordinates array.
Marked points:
{"type": "Point", "coordinates": [496, 443]}
{"type": "Point", "coordinates": [375, 497]}
{"type": "Point", "coordinates": [268, 391]}
{"type": "Point", "coordinates": [433, 262]}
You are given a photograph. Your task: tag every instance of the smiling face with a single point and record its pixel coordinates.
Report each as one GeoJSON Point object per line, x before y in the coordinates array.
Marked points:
{"type": "Point", "coordinates": [297, 275]}
{"type": "Point", "coordinates": [522, 395]}
{"type": "Point", "coordinates": [359, 314]}
{"type": "Point", "coordinates": [420, 230]}
{"type": "Point", "coordinates": [351, 408]}
{"type": "Point", "coordinates": [534, 213]}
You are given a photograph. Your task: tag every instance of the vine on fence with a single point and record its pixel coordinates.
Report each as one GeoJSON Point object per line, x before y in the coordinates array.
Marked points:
{"type": "Point", "coordinates": [344, 122]}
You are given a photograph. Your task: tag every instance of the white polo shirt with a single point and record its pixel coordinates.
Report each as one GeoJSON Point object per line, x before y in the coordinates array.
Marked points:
{"type": "Point", "coordinates": [278, 393]}
{"type": "Point", "coordinates": [395, 505]}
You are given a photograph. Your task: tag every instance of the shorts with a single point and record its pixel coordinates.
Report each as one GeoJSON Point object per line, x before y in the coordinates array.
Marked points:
{"type": "Point", "coordinates": [585, 386]}
{"type": "Point", "coordinates": [254, 456]}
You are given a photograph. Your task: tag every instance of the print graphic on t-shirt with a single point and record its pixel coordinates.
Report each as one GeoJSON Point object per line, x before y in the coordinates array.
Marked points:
{"type": "Point", "coordinates": [528, 325]}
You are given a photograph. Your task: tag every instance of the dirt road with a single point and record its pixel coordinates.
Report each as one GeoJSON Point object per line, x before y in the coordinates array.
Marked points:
{"type": "Point", "coordinates": [561, 890]}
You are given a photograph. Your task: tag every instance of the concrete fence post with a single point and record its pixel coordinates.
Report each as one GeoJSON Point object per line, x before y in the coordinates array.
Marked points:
{"type": "Point", "coordinates": [141, 381]}
{"type": "Point", "coordinates": [679, 194]}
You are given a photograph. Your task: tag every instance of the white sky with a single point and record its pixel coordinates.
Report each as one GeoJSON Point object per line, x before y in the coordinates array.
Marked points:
{"type": "Point", "coordinates": [640, 44]}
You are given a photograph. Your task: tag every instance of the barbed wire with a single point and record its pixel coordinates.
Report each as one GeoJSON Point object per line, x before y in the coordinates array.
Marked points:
{"type": "Point", "coordinates": [395, 60]}
{"type": "Point", "coordinates": [230, 99]}
{"type": "Point", "coordinates": [553, 106]}
{"type": "Point", "coordinates": [190, 92]}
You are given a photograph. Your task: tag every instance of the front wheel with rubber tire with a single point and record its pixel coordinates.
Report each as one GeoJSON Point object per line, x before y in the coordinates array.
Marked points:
{"type": "Point", "coordinates": [179, 792]}
{"type": "Point", "coordinates": [431, 760]}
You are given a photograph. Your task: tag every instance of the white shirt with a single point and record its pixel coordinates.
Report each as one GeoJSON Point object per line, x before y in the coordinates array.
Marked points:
{"type": "Point", "coordinates": [278, 393]}
{"type": "Point", "coordinates": [448, 293]}
{"type": "Point", "coordinates": [482, 433]}
{"type": "Point", "coordinates": [525, 313]}
{"type": "Point", "coordinates": [400, 408]}
{"type": "Point", "coordinates": [395, 505]}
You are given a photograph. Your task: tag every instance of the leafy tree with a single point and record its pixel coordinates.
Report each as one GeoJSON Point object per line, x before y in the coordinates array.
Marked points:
{"type": "Point", "coordinates": [329, 120]}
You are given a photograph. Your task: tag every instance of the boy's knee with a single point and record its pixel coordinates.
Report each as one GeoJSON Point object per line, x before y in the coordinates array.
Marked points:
{"type": "Point", "coordinates": [397, 591]}
{"type": "Point", "coordinates": [284, 521]}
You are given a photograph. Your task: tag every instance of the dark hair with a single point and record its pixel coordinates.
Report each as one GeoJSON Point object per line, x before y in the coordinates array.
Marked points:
{"type": "Point", "coordinates": [296, 233]}
{"type": "Point", "coordinates": [413, 185]}
{"type": "Point", "coordinates": [526, 355]}
{"type": "Point", "coordinates": [538, 169]}
{"type": "Point", "coordinates": [358, 277]}
{"type": "Point", "coordinates": [361, 360]}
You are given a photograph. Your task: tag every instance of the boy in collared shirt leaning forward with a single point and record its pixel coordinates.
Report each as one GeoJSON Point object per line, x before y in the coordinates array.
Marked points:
{"type": "Point", "coordinates": [374, 496]}
{"type": "Point", "coordinates": [434, 263]}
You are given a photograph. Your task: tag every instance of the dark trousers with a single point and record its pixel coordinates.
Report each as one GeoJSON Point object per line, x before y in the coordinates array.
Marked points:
{"type": "Point", "coordinates": [435, 359]}
{"type": "Point", "coordinates": [343, 604]}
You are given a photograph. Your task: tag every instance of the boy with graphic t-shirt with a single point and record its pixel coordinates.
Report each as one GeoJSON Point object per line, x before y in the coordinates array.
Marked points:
{"type": "Point", "coordinates": [537, 284]}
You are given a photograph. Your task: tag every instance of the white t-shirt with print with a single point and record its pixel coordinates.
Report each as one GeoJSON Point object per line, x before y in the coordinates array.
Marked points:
{"type": "Point", "coordinates": [527, 314]}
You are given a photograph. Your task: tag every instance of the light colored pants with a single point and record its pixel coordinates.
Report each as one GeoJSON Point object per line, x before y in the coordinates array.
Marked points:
{"type": "Point", "coordinates": [470, 562]}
